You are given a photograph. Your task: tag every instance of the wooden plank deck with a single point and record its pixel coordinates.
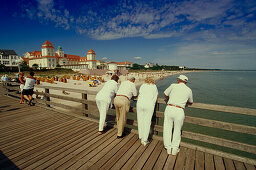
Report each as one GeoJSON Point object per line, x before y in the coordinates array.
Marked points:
{"type": "Point", "coordinates": [32, 137]}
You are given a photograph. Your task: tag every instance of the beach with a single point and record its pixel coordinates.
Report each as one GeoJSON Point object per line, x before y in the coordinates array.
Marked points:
{"type": "Point", "coordinates": [84, 85]}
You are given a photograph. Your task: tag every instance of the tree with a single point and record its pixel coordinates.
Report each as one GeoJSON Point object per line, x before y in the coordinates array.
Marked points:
{"type": "Point", "coordinates": [24, 66]}
{"type": "Point", "coordinates": [137, 67]}
{"type": "Point", "coordinates": [2, 67]}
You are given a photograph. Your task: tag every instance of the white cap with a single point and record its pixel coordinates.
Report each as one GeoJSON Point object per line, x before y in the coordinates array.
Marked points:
{"type": "Point", "coordinates": [183, 78]}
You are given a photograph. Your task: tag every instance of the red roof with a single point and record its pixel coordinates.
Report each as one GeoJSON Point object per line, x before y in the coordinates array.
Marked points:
{"type": "Point", "coordinates": [36, 53]}
{"type": "Point", "coordinates": [124, 63]}
{"type": "Point", "coordinates": [25, 59]}
{"type": "Point", "coordinates": [91, 52]}
{"type": "Point", "coordinates": [72, 57]}
{"type": "Point", "coordinates": [112, 62]}
{"type": "Point", "coordinates": [47, 43]}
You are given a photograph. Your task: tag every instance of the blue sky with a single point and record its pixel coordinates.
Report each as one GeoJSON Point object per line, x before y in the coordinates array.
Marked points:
{"type": "Point", "coordinates": [193, 33]}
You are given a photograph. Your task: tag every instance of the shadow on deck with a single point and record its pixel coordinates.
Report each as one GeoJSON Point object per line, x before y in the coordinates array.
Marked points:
{"type": "Point", "coordinates": [38, 138]}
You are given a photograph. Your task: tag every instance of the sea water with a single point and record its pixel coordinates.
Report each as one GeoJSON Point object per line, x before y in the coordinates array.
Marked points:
{"type": "Point", "coordinates": [230, 88]}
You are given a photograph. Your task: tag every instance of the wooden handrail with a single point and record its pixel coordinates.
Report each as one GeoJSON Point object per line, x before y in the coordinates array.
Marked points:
{"type": "Point", "coordinates": [231, 109]}
{"type": "Point", "coordinates": [157, 128]}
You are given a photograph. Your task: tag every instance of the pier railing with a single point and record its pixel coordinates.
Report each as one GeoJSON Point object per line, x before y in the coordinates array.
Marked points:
{"type": "Point", "coordinates": [207, 136]}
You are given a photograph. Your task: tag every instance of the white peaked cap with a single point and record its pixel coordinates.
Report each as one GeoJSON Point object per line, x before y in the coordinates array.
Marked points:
{"type": "Point", "coordinates": [183, 78]}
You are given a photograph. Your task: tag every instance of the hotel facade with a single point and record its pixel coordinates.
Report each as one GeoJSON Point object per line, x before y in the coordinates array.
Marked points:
{"type": "Point", "coordinates": [48, 58]}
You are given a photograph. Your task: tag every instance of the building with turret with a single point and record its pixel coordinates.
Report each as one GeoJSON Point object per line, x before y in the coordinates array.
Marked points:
{"type": "Point", "coordinates": [49, 58]}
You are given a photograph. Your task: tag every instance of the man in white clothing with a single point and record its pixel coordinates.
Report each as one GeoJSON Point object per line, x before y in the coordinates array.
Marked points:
{"type": "Point", "coordinates": [178, 95]}
{"type": "Point", "coordinates": [28, 88]}
{"type": "Point", "coordinates": [126, 91]}
{"type": "Point", "coordinates": [104, 98]}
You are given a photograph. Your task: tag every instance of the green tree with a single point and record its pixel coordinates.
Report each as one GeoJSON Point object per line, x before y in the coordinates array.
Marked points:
{"type": "Point", "coordinates": [24, 66]}
{"type": "Point", "coordinates": [136, 67]}
{"type": "Point", "coordinates": [2, 67]}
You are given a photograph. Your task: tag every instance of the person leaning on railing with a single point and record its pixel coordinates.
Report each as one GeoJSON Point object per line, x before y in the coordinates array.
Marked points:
{"type": "Point", "coordinates": [104, 98]}
{"type": "Point", "coordinates": [126, 91]}
{"type": "Point", "coordinates": [148, 94]}
{"type": "Point", "coordinates": [178, 95]}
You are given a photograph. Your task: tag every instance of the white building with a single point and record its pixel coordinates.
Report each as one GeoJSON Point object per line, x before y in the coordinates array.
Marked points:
{"type": "Point", "coordinates": [124, 65]}
{"type": "Point", "coordinates": [8, 58]}
{"type": "Point", "coordinates": [148, 65]}
{"type": "Point", "coordinates": [48, 58]}
{"type": "Point", "coordinates": [91, 59]}
{"type": "Point", "coordinates": [112, 66]}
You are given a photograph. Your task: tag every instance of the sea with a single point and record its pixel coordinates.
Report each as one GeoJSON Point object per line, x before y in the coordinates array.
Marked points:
{"type": "Point", "coordinates": [229, 88]}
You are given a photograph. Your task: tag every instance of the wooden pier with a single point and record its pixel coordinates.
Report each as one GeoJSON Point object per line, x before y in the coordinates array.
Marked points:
{"type": "Point", "coordinates": [36, 137]}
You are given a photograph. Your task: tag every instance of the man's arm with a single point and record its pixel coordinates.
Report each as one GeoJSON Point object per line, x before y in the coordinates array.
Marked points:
{"type": "Point", "coordinates": [188, 103]}
{"type": "Point", "coordinates": [166, 98]}
{"type": "Point", "coordinates": [190, 100]}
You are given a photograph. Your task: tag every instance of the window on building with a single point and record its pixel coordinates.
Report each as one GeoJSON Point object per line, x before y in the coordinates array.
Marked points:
{"type": "Point", "coordinates": [6, 62]}
{"type": "Point", "coordinates": [5, 57]}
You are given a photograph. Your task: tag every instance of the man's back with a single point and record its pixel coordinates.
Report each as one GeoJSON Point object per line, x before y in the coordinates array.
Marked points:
{"type": "Point", "coordinates": [179, 94]}
{"type": "Point", "coordinates": [128, 89]}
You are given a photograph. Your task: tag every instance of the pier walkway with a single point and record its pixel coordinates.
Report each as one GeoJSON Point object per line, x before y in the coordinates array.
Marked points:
{"type": "Point", "coordinates": [33, 137]}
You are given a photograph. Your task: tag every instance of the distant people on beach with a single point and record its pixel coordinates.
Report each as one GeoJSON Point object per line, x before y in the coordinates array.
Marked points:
{"type": "Point", "coordinates": [92, 84]}
{"type": "Point", "coordinates": [178, 96]}
{"type": "Point", "coordinates": [4, 78]}
{"type": "Point", "coordinates": [125, 93]}
{"type": "Point", "coordinates": [104, 99]}
{"type": "Point", "coordinates": [28, 89]}
{"type": "Point", "coordinates": [148, 94]}
{"type": "Point", "coordinates": [22, 84]}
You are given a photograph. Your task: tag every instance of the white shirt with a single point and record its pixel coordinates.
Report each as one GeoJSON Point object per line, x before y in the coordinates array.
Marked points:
{"type": "Point", "coordinates": [179, 94]}
{"type": "Point", "coordinates": [108, 91]}
{"type": "Point", "coordinates": [29, 83]}
{"type": "Point", "coordinates": [147, 94]}
{"type": "Point", "coordinates": [128, 89]}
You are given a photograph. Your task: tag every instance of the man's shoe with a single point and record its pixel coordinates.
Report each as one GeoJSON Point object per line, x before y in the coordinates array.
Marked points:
{"type": "Point", "coordinates": [100, 132]}
{"type": "Point", "coordinates": [144, 143]}
{"type": "Point", "coordinates": [175, 151]}
{"type": "Point", "coordinates": [119, 137]}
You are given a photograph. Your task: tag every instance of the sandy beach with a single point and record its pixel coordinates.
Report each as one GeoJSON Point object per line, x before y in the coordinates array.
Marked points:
{"type": "Point", "coordinates": [84, 85]}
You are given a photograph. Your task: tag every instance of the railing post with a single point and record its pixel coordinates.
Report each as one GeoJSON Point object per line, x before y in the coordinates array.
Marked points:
{"type": "Point", "coordinates": [85, 106]}
{"type": "Point", "coordinates": [47, 98]}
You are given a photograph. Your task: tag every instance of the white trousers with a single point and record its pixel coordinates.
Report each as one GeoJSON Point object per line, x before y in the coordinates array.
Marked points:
{"type": "Point", "coordinates": [103, 108]}
{"type": "Point", "coordinates": [173, 118]}
{"type": "Point", "coordinates": [144, 116]}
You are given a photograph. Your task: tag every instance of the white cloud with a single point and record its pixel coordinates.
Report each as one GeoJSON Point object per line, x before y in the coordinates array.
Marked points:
{"type": "Point", "coordinates": [104, 58]}
{"type": "Point", "coordinates": [137, 58]}
{"type": "Point", "coordinates": [45, 13]}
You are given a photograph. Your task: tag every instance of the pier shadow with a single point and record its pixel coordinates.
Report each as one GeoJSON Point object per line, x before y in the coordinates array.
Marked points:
{"type": "Point", "coordinates": [6, 163]}
{"type": "Point", "coordinates": [1, 107]}
{"type": "Point", "coordinates": [12, 109]}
